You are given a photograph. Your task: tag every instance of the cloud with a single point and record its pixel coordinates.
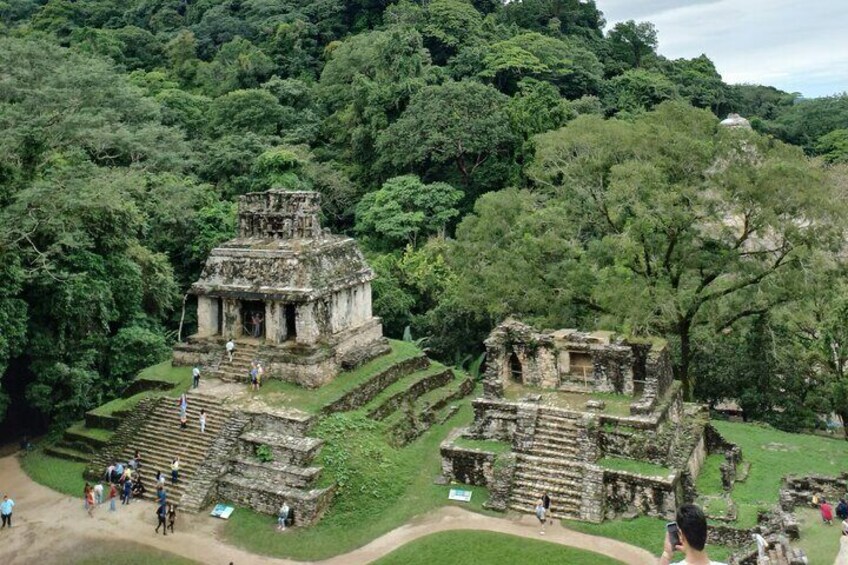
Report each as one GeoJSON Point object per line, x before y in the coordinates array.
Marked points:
{"type": "Point", "coordinates": [796, 46]}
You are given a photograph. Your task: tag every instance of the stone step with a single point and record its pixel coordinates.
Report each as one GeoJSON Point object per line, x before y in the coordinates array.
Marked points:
{"type": "Point", "coordinates": [556, 419]}
{"type": "Point", "coordinates": [541, 461]}
{"type": "Point", "coordinates": [557, 433]}
{"type": "Point", "coordinates": [534, 474]}
{"type": "Point", "coordinates": [530, 494]}
{"type": "Point", "coordinates": [565, 491]}
{"type": "Point", "coordinates": [561, 449]}
{"type": "Point", "coordinates": [553, 514]}
{"type": "Point", "coordinates": [552, 453]}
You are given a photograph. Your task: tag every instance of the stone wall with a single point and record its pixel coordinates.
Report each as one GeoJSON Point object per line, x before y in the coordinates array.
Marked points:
{"type": "Point", "coordinates": [365, 393]}
{"type": "Point", "coordinates": [494, 419]}
{"type": "Point", "coordinates": [628, 494]}
{"type": "Point", "coordinates": [799, 491]}
{"type": "Point", "coordinates": [592, 502]}
{"type": "Point", "coordinates": [415, 390]}
{"type": "Point", "coordinates": [467, 466]}
{"type": "Point", "coordinates": [308, 506]}
{"type": "Point", "coordinates": [198, 352]}
{"type": "Point", "coordinates": [500, 486]}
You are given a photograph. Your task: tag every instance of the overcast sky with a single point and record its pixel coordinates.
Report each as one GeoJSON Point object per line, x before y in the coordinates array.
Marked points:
{"type": "Point", "coordinates": [795, 45]}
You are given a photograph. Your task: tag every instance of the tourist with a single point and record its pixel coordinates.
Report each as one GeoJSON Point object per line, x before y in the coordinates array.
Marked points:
{"type": "Point", "coordinates": [826, 512]}
{"type": "Point", "coordinates": [175, 471]}
{"type": "Point", "coordinates": [161, 495]}
{"type": "Point", "coordinates": [254, 376]}
{"type": "Point", "coordinates": [540, 514]}
{"type": "Point", "coordinates": [89, 500]}
{"type": "Point", "coordinates": [259, 372]}
{"type": "Point", "coordinates": [172, 517]}
{"type": "Point", "coordinates": [161, 514]}
{"type": "Point", "coordinates": [183, 404]}
{"type": "Point", "coordinates": [257, 324]}
{"type": "Point", "coordinates": [132, 464]}
{"type": "Point", "coordinates": [98, 494]}
{"type": "Point", "coordinates": [127, 492]}
{"type": "Point", "coordinates": [842, 509]}
{"type": "Point", "coordinates": [138, 488]}
{"type": "Point", "coordinates": [692, 532]}
{"type": "Point", "coordinates": [283, 516]}
{"type": "Point", "coordinates": [546, 501]}
{"type": "Point", "coordinates": [202, 421]}
{"type": "Point", "coordinates": [119, 472]}
{"type": "Point", "coordinates": [231, 346]}
{"type": "Point", "coordinates": [85, 490]}
{"type": "Point", "coordinates": [137, 457]}
{"type": "Point", "coordinates": [160, 480]}
{"type": "Point", "coordinates": [113, 493]}
{"type": "Point", "coordinates": [845, 527]}
{"type": "Point", "coordinates": [110, 470]}
{"type": "Point", "coordinates": [195, 377]}
{"type": "Point", "coordinates": [6, 510]}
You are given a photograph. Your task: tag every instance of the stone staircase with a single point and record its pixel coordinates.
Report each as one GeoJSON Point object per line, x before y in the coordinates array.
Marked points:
{"type": "Point", "coordinates": [551, 464]}
{"type": "Point", "coordinates": [237, 370]}
{"type": "Point", "coordinates": [159, 440]}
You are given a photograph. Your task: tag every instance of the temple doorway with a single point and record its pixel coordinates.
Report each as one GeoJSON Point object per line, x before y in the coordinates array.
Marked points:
{"type": "Point", "coordinates": [253, 318]}
{"type": "Point", "coordinates": [291, 322]}
{"type": "Point", "coordinates": [515, 371]}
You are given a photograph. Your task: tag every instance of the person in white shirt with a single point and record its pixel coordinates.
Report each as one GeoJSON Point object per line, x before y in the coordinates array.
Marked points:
{"type": "Point", "coordinates": [231, 346]}
{"type": "Point", "coordinates": [692, 529]}
{"type": "Point", "coordinates": [202, 421]}
{"type": "Point", "coordinates": [195, 377]}
{"type": "Point", "coordinates": [98, 494]}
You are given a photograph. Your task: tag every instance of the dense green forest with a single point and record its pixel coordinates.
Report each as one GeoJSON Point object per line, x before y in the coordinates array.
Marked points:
{"type": "Point", "coordinates": [493, 159]}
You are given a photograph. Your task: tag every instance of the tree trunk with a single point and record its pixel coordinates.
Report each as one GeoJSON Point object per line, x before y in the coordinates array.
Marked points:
{"type": "Point", "coordinates": [683, 329]}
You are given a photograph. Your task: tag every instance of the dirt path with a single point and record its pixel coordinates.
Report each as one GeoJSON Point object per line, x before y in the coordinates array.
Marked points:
{"type": "Point", "coordinates": [49, 525]}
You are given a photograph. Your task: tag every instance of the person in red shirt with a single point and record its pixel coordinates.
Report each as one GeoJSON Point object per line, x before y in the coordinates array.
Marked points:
{"type": "Point", "coordinates": [826, 512]}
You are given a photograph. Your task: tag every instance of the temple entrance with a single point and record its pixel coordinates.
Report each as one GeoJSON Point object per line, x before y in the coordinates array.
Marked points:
{"type": "Point", "coordinates": [219, 315]}
{"type": "Point", "coordinates": [253, 318]}
{"type": "Point", "coordinates": [291, 322]}
{"type": "Point", "coordinates": [515, 371]}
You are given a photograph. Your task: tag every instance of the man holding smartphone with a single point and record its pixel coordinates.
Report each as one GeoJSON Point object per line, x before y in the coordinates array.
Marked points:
{"type": "Point", "coordinates": [688, 533]}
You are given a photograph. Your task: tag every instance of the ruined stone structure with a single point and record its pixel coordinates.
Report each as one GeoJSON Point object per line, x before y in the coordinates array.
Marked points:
{"type": "Point", "coordinates": [573, 361]}
{"type": "Point", "coordinates": [302, 294]}
{"type": "Point", "coordinates": [544, 396]}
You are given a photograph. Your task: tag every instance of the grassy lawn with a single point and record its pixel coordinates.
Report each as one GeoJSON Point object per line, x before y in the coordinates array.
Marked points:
{"type": "Point", "coordinates": [383, 488]}
{"type": "Point", "coordinates": [95, 433]}
{"type": "Point", "coordinates": [647, 533]}
{"type": "Point", "coordinates": [473, 547]}
{"type": "Point", "coordinates": [774, 454]}
{"type": "Point", "coordinates": [709, 480]}
{"type": "Point", "coordinates": [109, 553]}
{"type": "Point", "coordinates": [178, 377]}
{"type": "Point", "coordinates": [288, 394]}
{"type": "Point", "coordinates": [483, 444]}
{"type": "Point", "coordinates": [821, 542]}
{"type": "Point", "coordinates": [59, 474]}
{"type": "Point", "coordinates": [638, 467]}
{"type": "Point", "coordinates": [616, 404]}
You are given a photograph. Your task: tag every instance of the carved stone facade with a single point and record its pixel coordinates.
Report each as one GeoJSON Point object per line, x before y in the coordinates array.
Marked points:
{"type": "Point", "coordinates": [301, 292]}
{"type": "Point", "coordinates": [574, 361]}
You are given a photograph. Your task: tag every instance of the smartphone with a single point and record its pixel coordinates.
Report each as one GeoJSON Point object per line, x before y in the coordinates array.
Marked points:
{"type": "Point", "coordinates": [673, 534]}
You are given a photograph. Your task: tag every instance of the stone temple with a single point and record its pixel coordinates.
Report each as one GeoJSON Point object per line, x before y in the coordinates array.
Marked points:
{"type": "Point", "coordinates": [297, 294]}
{"type": "Point", "coordinates": [595, 419]}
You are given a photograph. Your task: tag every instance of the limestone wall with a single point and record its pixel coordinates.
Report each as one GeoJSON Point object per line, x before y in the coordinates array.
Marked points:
{"type": "Point", "coordinates": [628, 494]}
{"type": "Point", "coordinates": [308, 506]}
{"type": "Point", "coordinates": [467, 466]}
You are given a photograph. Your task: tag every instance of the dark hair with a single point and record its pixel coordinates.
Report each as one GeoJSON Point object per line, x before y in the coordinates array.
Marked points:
{"type": "Point", "coordinates": [693, 524]}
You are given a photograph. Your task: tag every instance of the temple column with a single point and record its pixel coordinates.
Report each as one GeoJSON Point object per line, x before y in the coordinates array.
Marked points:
{"type": "Point", "coordinates": [306, 323]}
{"type": "Point", "coordinates": [232, 318]}
{"type": "Point", "coordinates": [207, 316]}
{"type": "Point", "coordinates": [275, 322]}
